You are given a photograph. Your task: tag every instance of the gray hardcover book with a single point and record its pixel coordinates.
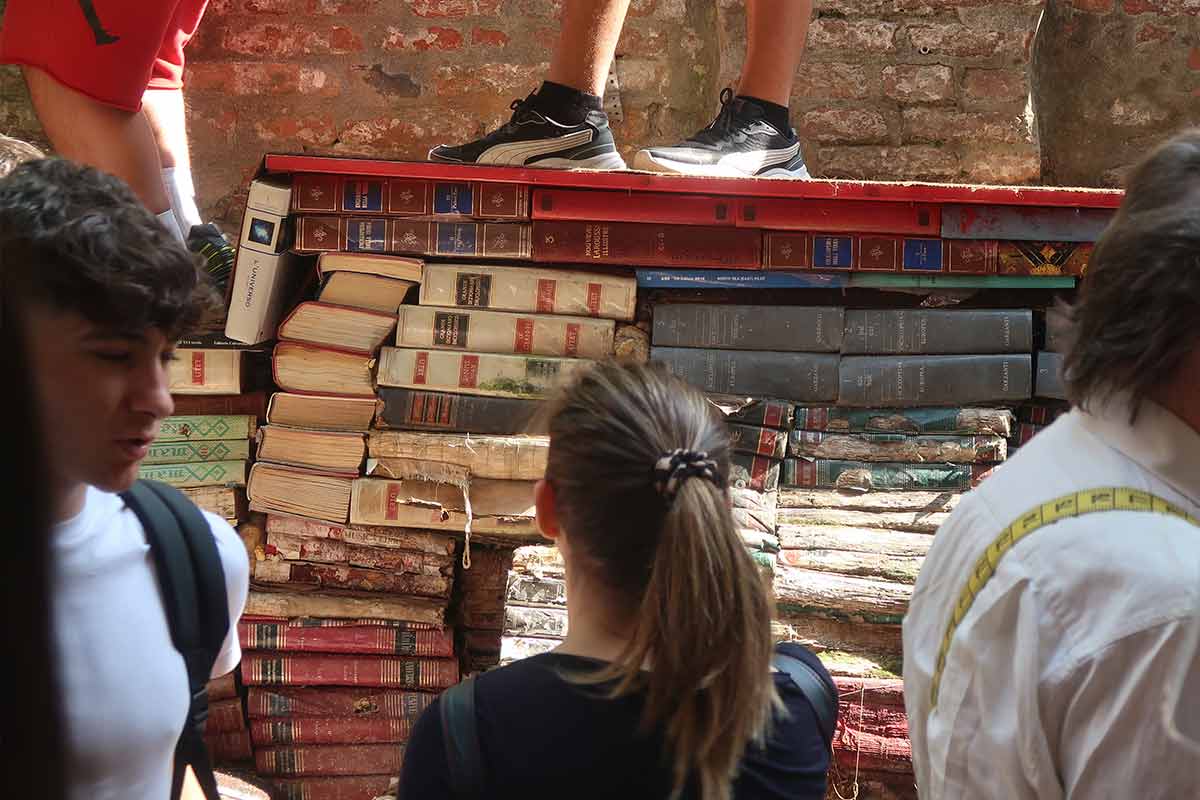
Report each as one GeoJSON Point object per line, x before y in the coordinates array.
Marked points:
{"type": "Point", "coordinates": [881, 381]}
{"type": "Point", "coordinates": [921, 330]}
{"type": "Point", "coordinates": [794, 329]}
{"type": "Point", "coordinates": [804, 377]}
{"type": "Point", "coordinates": [1049, 382]}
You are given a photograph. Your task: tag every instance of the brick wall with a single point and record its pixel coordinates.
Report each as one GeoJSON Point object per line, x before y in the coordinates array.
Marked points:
{"type": "Point", "coordinates": [890, 89]}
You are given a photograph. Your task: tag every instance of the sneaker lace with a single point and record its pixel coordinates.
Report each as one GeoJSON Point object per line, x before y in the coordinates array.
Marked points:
{"type": "Point", "coordinates": [520, 109]}
{"type": "Point", "coordinates": [725, 126]}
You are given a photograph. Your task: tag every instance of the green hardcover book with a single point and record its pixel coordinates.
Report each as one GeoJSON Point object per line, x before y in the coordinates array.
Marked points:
{"type": "Point", "coordinates": [810, 473]}
{"type": "Point", "coordinates": [194, 452]}
{"type": "Point", "coordinates": [834, 419]}
{"type": "Point", "coordinates": [210, 427]}
{"type": "Point", "coordinates": [212, 473]}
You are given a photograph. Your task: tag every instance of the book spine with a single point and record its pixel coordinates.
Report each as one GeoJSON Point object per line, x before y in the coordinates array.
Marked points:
{"type": "Point", "coordinates": [541, 291]}
{"type": "Point", "coordinates": [336, 702]}
{"type": "Point", "coordinates": [524, 377]}
{"type": "Point", "coordinates": [194, 452]}
{"type": "Point", "coordinates": [323, 234]}
{"type": "Point", "coordinates": [214, 473]}
{"type": "Point", "coordinates": [757, 441]}
{"type": "Point", "coordinates": [851, 216]}
{"type": "Point", "coordinates": [436, 411]}
{"type": "Point", "coordinates": [355, 537]}
{"type": "Point", "coordinates": [334, 550]}
{"type": "Point", "coordinates": [223, 688]}
{"type": "Point", "coordinates": [262, 285]}
{"type": "Point", "coordinates": [1040, 414]}
{"type": "Point", "coordinates": [980, 421]}
{"type": "Point", "coordinates": [205, 427]}
{"type": "Point", "coordinates": [232, 746]}
{"type": "Point", "coordinates": [206, 372]}
{"type": "Point", "coordinates": [337, 576]}
{"type": "Point", "coordinates": [885, 331]}
{"type": "Point", "coordinates": [638, 244]}
{"type": "Point", "coordinates": [497, 332]}
{"type": "Point", "coordinates": [329, 730]}
{"type": "Point", "coordinates": [897, 447]}
{"type": "Point", "coordinates": [779, 328]}
{"type": "Point", "coordinates": [736, 279]}
{"type": "Point", "coordinates": [346, 787]}
{"type": "Point", "coordinates": [885, 381]}
{"type": "Point", "coordinates": [224, 716]}
{"type": "Point", "coordinates": [755, 411]}
{"type": "Point", "coordinates": [356, 759]}
{"type": "Point", "coordinates": [353, 370]}
{"type": "Point", "coordinates": [802, 377]}
{"type": "Point", "coordinates": [584, 205]}
{"type": "Point", "coordinates": [808, 473]}
{"type": "Point", "coordinates": [226, 503]}
{"type": "Point", "coordinates": [1024, 223]}
{"type": "Point", "coordinates": [407, 197]}
{"type": "Point", "coordinates": [291, 604]}
{"type": "Point", "coordinates": [753, 472]}
{"type": "Point", "coordinates": [375, 640]}
{"type": "Point", "coordinates": [252, 404]}
{"type": "Point", "coordinates": [260, 669]}
{"type": "Point", "coordinates": [1049, 381]}
{"type": "Point", "coordinates": [1042, 258]}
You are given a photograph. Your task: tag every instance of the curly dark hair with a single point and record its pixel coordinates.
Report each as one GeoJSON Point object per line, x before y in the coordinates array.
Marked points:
{"type": "Point", "coordinates": [73, 238]}
{"type": "Point", "coordinates": [1135, 320]}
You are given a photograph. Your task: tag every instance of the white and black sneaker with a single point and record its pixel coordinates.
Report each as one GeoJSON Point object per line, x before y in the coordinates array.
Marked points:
{"type": "Point", "coordinates": [532, 139]}
{"type": "Point", "coordinates": [739, 143]}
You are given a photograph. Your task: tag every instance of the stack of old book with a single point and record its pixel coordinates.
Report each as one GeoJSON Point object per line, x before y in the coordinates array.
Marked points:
{"type": "Point", "coordinates": [535, 613]}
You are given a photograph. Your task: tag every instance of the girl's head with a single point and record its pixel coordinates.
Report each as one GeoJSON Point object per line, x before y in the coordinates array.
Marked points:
{"type": "Point", "coordinates": [635, 485]}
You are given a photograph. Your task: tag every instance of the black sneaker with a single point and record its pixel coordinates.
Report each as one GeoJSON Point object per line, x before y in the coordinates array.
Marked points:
{"type": "Point", "coordinates": [739, 143]}
{"type": "Point", "coordinates": [209, 243]}
{"type": "Point", "coordinates": [532, 139]}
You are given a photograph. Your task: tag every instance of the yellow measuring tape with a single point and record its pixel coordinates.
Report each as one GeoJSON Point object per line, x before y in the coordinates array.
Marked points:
{"type": "Point", "coordinates": [1089, 501]}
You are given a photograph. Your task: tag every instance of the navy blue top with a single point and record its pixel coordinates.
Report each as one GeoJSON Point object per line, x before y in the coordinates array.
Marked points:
{"type": "Point", "coordinates": [542, 736]}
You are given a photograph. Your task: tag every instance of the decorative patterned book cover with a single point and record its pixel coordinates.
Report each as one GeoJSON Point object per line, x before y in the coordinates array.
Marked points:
{"type": "Point", "coordinates": [499, 332]}
{"type": "Point", "coordinates": [299, 576]}
{"type": "Point", "coordinates": [757, 441]}
{"type": "Point", "coordinates": [367, 703]}
{"type": "Point", "coordinates": [349, 194]}
{"type": "Point", "coordinates": [213, 473]}
{"type": "Point", "coordinates": [529, 289]}
{"type": "Point", "coordinates": [777, 414]}
{"type": "Point", "coordinates": [441, 411]}
{"type": "Point", "coordinates": [805, 329]}
{"type": "Point", "coordinates": [806, 377]}
{"type": "Point", "coordinates": [586, 205]}
{"type": "Point", "coordinates": [753, 472]}
{"type": "Point", "coordinates": [320, 234]}
{"type": "Point", "coordinates": [852, 216]}
{"type": "Point", "coordinates": [253, 404]}
{"type": "Point", "coordinates": [346, 787]}
{"type": "Point", "coordinates": [1024, 223]}
{"type": "Point", "coordinates": [888, 381]}
{"type": "Point", "coordinates": [206, 427]}
{"type": "Point", "coordinates": [924, 330]}
{"type": "Point", "coordinates": [194, 452]}
{"type": "Point", "coordinates": [525, 377]}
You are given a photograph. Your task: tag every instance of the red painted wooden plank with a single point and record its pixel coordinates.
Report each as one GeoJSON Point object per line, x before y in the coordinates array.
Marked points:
{"type": "Point", "coordinates": [753, 187]}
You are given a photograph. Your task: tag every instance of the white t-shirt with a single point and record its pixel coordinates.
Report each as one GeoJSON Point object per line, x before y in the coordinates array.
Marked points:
{"type": "Point", "coordinates": [1057, 676]}
{"type": "Point", "coordinates": [123, 684]}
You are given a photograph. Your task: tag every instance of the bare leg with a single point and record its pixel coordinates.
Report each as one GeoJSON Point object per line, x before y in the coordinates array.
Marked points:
{"type": "Point", "coordinates": [776, 31]}
{"type": "Point", "coordinates": [587, 40]}
{"type": "Point", "coordinates": [111, 139]}
{"type": "Point", "coordinates": [164, 111]}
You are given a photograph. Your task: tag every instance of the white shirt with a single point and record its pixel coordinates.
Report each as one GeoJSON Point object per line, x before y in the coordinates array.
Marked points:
{"type": "Point", "coordinates": [123, 684]}
{"type": "Point", "coordinates": [1054, 685]}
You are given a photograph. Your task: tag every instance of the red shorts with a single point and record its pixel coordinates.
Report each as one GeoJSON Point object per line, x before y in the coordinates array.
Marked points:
{"type": "Point", "coordinates": [110, 50]}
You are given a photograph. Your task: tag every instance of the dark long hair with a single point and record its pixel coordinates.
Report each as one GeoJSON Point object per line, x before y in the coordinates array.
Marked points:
{"type": "Point", "coordinates": [676, 571]}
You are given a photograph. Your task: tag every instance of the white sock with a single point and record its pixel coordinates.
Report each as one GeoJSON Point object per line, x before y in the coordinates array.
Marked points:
{"type": "Point", "coordinates": [182, 192]}
{"type": "Point", "coordinates": [171, 223]}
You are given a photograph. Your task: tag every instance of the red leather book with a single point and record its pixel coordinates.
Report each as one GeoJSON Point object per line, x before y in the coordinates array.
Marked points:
{"type": "Point", "coordinates": [361, 640]}
{"type": "Point", "coordinates": [648, 207]}
{"type": "Point", "coordinates": [330, 730]}
{"type": "Point", "coordinates": [223, 688]}
{"type": "Point", "coordinates": [270, 669]}
{"type": "Point", "coordinates": [352, 234]}
{"type": "Point", "coordinates": [250, 403]}
{"type": "Point", "coordinates": [234, 746]}
{"type": "Point", "coordinates": [349, 787]}
{"type": "Point", "coordinates": [646, 245]}
{"type": "Point", "coordinates": [346, 759]}
{"type": "Point", "coordinates": [224, 716]}
{"type": "Point", "coordinates": [349, 194]}
{"type": "Point", "coordinates": [336, 702]}
{"type": "Point", "coordinates": [851, 216]}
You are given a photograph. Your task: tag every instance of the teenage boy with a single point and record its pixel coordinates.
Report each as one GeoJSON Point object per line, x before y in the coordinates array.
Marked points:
{"type": "Point", "coordinates": [103, 291]}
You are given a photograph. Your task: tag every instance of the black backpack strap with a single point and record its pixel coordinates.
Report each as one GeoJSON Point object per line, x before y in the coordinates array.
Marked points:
{"type": "Point", "coordinates": [460, 732]}
{"type": "Point", "coordinates": [192, 580]}
{"type": "Point", "coordinates": [823, 700]}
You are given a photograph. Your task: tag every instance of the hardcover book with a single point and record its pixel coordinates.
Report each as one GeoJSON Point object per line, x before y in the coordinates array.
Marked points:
{"type": "Point", "coordinates": [919, 330]}
{"type": "Point", "coordinates": [438, 411]}
{"type": "Point", "coordinates": [585, 205]}
{"type": "Point", "coordinates": [647, 245]}
{"type": "Point", "coordinates": [796, 376]}
{"type": "Point", "coordinates": [816, 329]}
{"type": "Point", "coordinates": [211, 473]}
{"type": "Point", "coordinates": [528, 377]}
{"type": "Point", "coordinates": [195, 452]}
{"type": "Point", "coordinates": [526, 289]}
{"type": "Point", "coordinates": [885, 381]}
{"type": "Point", "coordinates": [349, 702]}
{"type": "Point", "coordinates": [757, 441]}
{"type": "Point", "coordinates": [301, 367]}
{"type": "Point", "coordinates": [500, 457]}
{"type": "Point", "coordinates": [318, 234]}
{"type": "Point", "coordinates": [268, 669]}
{"type": "Point", "coordinates": [981, 421]}
{"type": "Point", "coordinates": [341, 327]}
{"type": "Point", "coordinates": [499, 332]}
{"type": "Point", "coordinates": [390, 557]}
{"type": "Point", "coordinates": [897, 447]}
{"type": "Point", "coordinates": [206, 427]}
{"type": "Point", "coordinates": [352, 194]}
{"type": "Point", "coordinates": [872, 476]}
{"type": "Point", "coordinates": [321, 412]}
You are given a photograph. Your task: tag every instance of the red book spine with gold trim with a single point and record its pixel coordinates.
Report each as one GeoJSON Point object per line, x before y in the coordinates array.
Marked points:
{"type": "Point", "coordinates": [268, 669]}
{"type": "Point", "coordinates": [647, 245]}
{"type": "Point", "coordinates": [348, 759]}
{"type": "Point", "coordinates": [363, 640]}
{"type": "Point", "coordinates": [335, 702]}
{"type": "Point", "coordinates": [330, 730]}
{"type": "Point", "coordinates": [408, 197]}
{"type": "Point", "coordinates": [346, 787]}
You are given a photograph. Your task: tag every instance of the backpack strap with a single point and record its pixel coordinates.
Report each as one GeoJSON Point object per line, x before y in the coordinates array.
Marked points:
{"type": "Point", "coordinates": [192, 581]}
{"type": "Point", "coordinates": [816, 691]}
{"type": "Point", "coordinates": [460, 732]}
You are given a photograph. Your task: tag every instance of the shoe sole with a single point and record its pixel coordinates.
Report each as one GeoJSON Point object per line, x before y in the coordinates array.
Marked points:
{"type": "Point", "coordinates": [607, 162]}
{"type": "Point", "coordinates": [645, 160]}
